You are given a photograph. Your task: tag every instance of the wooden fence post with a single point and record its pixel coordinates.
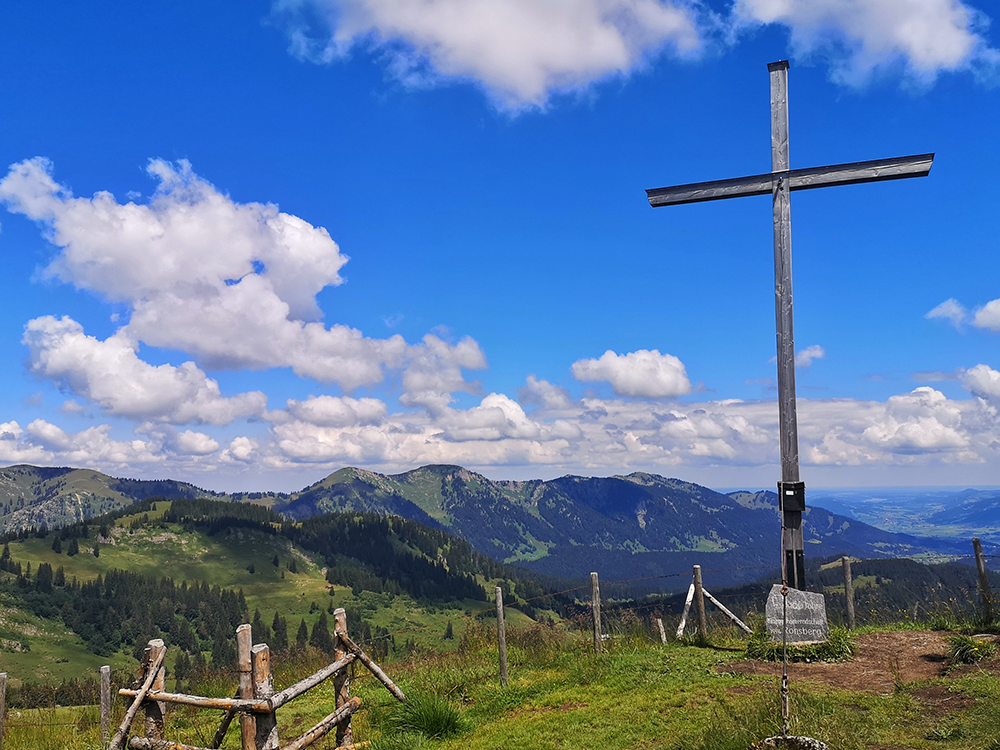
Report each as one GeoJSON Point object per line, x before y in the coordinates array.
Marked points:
{"type": "Point", "coordinates": [663, 632]}
{"type": "Point", "coordinates": [3, 703]}
{"type": "Point", "coordinates": [687, 608]}
{"type": "Point", "coordinates": [699, 602]}
{"type": "Point", "coordinates": [848, 591]}
{"type": "Point", "coordinates": [244, 641]}
{"type": "Point", "coordinates": [155, 710]}
{"type": "Point", "coordinates": [151, 664]}
{"type": "Point", "coordinates": [263, 688]}
{"type": "Point", "coordinates": [595, 601]}
{"type": "Point", "coordinates": [342, 682]}
{"type": "Point", "coordinates": [501, 638]}
{"type": "Point", "coordinates": [105, 704]}
{"type": "Point", "coordinates": [984, 581]}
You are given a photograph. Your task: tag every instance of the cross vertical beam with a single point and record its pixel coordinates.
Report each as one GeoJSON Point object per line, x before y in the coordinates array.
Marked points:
{"type": "Point", "coordinates": [780, 182]}
{"type": "Point", "coordinates": [793, 542]}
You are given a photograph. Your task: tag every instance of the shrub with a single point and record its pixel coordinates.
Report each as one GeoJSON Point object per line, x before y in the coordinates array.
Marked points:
{"type": "Point", "coordinates": [427, 715]}
{"type": "Point", "coordinates": [963, 649]}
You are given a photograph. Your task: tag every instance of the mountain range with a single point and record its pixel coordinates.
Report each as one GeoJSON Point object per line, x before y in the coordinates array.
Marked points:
{"type": "Point", "coordinates": [627, 527]}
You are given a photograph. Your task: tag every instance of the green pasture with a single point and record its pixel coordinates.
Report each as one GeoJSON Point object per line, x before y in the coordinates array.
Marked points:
{"type": "Point", "coordinates": [638, 695]}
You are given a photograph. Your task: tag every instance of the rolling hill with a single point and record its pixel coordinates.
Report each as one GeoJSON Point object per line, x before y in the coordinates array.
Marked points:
{"type": "Point", "coordinates": [635, 526]}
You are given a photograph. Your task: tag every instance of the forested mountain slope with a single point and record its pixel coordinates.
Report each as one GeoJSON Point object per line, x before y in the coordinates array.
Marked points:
{"type": "Point", "coordinates": [639, 525]}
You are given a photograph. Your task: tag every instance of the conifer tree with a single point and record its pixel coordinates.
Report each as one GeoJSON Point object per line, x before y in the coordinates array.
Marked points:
{"type": "Point", "coordinates": [302, 637]}
{"type": "Point", "coordinates": [279, 626]}
{"type": "Point", "coordinates": [321, 637]}
{"type": "Point", "coordinates": [261, 632]}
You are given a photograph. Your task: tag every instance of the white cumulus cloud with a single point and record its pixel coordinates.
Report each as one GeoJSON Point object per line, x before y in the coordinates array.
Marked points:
{"type": "Point", "coordinates": [91, 447]}
{"type": "Point", "coordinates": [519, 50]}
{"type": "Point", "coordinates": [110, 374]}
{"type": "Point", "coordinates": [988, 316]}
{"type": "Point", "coordinates": [523, 51]}
{"type": "Point", "coordinates": [983, 382]}
{"type": "Point", "coordinates": [860, 37]}
{"type": "Point", "coordinates": [338, 411]}
{"type": "Point", "coordinates": [644, 373]}
{"type": "Point", "coordinates": [232, 285]}
{"type": "Point", "coordinates": [495, 418]}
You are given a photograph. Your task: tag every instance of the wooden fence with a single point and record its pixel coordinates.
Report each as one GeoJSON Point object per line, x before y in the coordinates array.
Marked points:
{"type": "Point", "coordinates": [255, 702]}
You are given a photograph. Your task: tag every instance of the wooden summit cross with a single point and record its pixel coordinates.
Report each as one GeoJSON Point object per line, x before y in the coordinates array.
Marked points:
{"type": "Point", "coordinates": [779, 183]}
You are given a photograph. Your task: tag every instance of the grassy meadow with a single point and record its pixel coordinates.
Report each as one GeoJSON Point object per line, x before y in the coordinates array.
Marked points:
{"type": "Point", "coordinates": [638, 694]}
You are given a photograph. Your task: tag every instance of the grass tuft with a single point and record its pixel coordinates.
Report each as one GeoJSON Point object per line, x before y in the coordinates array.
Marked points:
{"type": "Point", "coordinates": [400, 741]}
{"type": "Point", "coordinates": [963, 649]}
{"type": "Point", "coordinates": [428, 715]}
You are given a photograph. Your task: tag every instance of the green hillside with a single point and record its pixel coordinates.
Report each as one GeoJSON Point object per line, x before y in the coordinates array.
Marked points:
{"type": "Point", "coordinates": [186, 554]}
{"type": "Point", "coordinates": [34, 496]}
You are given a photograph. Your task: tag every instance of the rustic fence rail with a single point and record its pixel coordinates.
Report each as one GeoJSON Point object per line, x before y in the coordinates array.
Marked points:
{"type": "Point", "coordinates": [255, 701]}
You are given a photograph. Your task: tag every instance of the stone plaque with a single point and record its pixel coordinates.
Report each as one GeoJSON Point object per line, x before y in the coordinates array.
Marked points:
{"type": "Point", "coordinates": [807, 621]}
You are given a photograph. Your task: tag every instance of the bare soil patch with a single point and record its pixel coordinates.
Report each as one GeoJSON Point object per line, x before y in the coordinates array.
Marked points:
{"type": "Point", "coordinates": [937, 700]}
{"type": "Point", "coordinates": [881, 660]}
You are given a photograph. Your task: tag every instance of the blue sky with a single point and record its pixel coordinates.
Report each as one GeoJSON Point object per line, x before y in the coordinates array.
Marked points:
{"type": "Point", "coordinates": [248, 245]}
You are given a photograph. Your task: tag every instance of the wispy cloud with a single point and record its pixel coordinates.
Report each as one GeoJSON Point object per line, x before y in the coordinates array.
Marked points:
{"type": "Point", "coordinates": [950, 310]}
{"type": "Point", "coordinates": [805, 357]}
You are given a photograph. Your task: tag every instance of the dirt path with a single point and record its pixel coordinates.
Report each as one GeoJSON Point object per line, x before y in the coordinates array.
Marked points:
{"type": "Point", "coordinates": [881, 661]}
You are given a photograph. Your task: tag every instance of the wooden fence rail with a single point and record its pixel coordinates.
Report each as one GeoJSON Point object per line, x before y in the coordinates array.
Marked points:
{"type": "Point", "coordinates": [255, 702]}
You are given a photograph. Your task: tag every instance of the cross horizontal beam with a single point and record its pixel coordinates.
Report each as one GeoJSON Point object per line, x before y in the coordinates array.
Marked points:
{"type": "Point", "coordinates": [896, 168]}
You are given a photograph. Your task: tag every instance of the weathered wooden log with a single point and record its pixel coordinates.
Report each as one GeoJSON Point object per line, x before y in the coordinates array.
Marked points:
{"type": "Point", "coordinates": [266, 737]}
{"type": "Point", "coordinates": [374, 668]}
{"type": "Point", "coordinates": [595, 609]}
{"type": "Point", "coordinates": [244, 641]}
{"type": "Point", "coordinates": [319, 731]}
{"type": "Point", "coordinates": [224, 704]}
{"type": "Point", "coordinates": [342, 682]}
{"type": "Point", "coordinates": [699, 604]}
{"type": "Point", "coordinates": [663, 633]}
{"type": "Point", "coordinates": [155, 710]}
{"type": "Point", "coordinates": [501, 638]}
{"type": "Point", "coordinates": [727, 613]}
{"type": "Point", "coordinates": [294, 691]}
{"type": "Point", "coordinates": [984, 581]}
{"type": "Point", "coordinates": [687, 609]}
{"type": "Point", "coordinates": [105, 704]}
{"type": "Point", "coordinates": [156, 653]}
{"type": "Point", "coordinates": [845, 561]}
